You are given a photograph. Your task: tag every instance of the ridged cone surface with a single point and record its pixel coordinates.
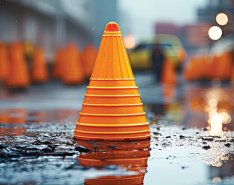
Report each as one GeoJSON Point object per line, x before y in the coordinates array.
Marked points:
{"type": "Point", "coordinates": [18, 76]}
{"type": "Point", "coordinates": [112, 108]}
{"type": "Point", "coordinates": [4, 63]}
{"type": "Point", "coordinates": [39, 67]}
{"type": "Point", "coordinates": [73, 72]}
{"type": "Point", "coordinates": [112, 61]}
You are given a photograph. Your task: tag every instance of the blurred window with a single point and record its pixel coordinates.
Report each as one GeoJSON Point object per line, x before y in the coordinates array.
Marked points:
{"type": "Point", "coordinates": [150, 46]}
{"type": "Point", "coordinates": [140, 47]}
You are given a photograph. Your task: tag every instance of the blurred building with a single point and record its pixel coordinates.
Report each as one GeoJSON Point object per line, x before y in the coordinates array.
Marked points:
{"type": "Point", "coordinates": [53, 23]}
{"type": "Point", "coordinates": [193, 36]}
{"type": "Point", "coordinates": [208, 12]}
{"type": "Point", "coordinates": [212, 8]}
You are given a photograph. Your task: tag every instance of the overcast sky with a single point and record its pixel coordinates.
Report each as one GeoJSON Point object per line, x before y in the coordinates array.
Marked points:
{"type": "Point", "coordinates": [141, 15]}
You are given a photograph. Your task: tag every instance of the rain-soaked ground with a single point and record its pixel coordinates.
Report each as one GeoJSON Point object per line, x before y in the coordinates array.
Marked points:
{"type": "Point", "coordinates": [192, 138]}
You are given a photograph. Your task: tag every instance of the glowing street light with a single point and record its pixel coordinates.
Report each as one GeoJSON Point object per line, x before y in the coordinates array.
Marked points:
{"type": "Point", "coordinates": [222, 19]}
{"type": "Point", "coordinates": [129, 41]}
{"type": "Point", "coordinates": [215, 32]}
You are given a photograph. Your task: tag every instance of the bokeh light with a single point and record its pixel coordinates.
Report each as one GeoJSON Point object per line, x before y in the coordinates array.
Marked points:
{"type": "Point", "coordinates": [222, 19]}
{"type": "Point", "coordinates": [129, 41]}
{"type": "Point", "coordinates": [215, 32]}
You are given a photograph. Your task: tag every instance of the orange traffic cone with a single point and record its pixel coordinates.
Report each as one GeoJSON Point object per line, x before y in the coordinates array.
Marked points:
{"type": "Point", "coordinates": [168, 73]}
{"type": "Point", "coordinates": [39, 67]}
{"type": "Point", "coordinates": [132, 156]}
{"type": "Point", "coordinates": [4, 63]}
{"type": "Point", "coordinates": [73, 73]}
{"type": "Point", "coordinates": [88, 59]}
{"type": "Point", "coordinates": [112, 108]}
{"type": "Point", "coordinates": [18, 76]}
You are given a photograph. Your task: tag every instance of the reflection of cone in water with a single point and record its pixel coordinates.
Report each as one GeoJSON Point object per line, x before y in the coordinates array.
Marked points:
{"type": "Point", "coordinates": [168, 73]}
{"type": "Point", "coordinates": [131, 156]}
{"type": "Point", "coordinates": [73, 73]}
{"type": "Point", "coordinates": [88, 59]}
{"type": "Point", "coordinates": [17, 116]}
{"type": "Point", "coordinates": [18, 76]}
{"type": "Point", "coordinates": [12, 131]}
{"type": "Point", "coordinates": [4, 62]}
{"type": "Point", "coordinates": [168, 91]}
{"type": "Point", "coordinates": [4, 118]}
{"type": "Point", "coordinates": [39, 67]}
{"type": "Point", "coordinates": [112, 108]}
{"type": "Point", "coordinates": [13, 116]}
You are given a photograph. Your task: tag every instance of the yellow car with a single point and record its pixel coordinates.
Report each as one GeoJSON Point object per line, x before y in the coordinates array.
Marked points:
{"type": "Point", "coordinates": [140, 56]}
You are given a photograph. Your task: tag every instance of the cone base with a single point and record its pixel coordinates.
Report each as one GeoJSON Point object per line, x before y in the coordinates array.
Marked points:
{"type": "Point", "coordinates": [145, 135]}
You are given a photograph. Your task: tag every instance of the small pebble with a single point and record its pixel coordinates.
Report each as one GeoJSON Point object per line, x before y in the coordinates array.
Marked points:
{"type": "Point", "coordinates": [157, 133]}
{"type": "Point", "coordinates": [205, 129]}
{"type": "Point", "coordinates": [227, 144]}
{"type": "Point", "coordinates": [182, 137]}
{"type": "Point", "coordinates": [81, 149]}
{"type": "Point", "coordinates": [206, 147]}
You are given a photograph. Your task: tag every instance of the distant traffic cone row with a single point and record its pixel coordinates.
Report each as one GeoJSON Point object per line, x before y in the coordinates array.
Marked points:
{"type": "Point", "coordinates": [73, 72]}
{"type": "Point", "coordinates": [70, 65]}
{"type": "Point", "coordinates": [18, 75]}
{"type": "Point", "coordinates": [112, 108]}
{"type": "Point", "coordinates": [209, 67]}
{"type": "Point", "coordinates": [39, 67]}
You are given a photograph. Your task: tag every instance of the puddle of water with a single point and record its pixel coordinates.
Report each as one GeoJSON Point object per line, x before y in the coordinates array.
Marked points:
{"type": "Point", "coordinates": [192, 142]}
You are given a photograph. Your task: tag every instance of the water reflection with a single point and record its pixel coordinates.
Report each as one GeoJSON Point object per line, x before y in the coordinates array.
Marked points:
{"type": "Point", "coordinates": [218, 108]}
{"type": "Point", "coordinates": [16, 121]}
{"type": "Point", "coordinates": [218, 174]}
{"type": "Point", "coordinates": [11, 121]}
{"type": "Point", "coordinates": [130, 155]}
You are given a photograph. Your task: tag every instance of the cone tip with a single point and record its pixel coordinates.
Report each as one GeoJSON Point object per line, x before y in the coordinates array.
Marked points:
{"type": "Point", "coordinates": [112, 26]}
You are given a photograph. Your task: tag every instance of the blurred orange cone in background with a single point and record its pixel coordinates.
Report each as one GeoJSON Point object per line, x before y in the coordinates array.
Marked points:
{"type": "Point", "coordinates": [112, 108]}
{"type": "Point", "coordinates": [168, 73]}
{"type": "Point", "coordinates": [18, 75]}
{"type": "Point", "coordinates": [39, 67]}
{"type": "Point", "coordinates": [168, 91]}
{"type": "Point", "coordinates": [225, 65]}
{"type": "Point", "coordinates": [88, 59]}
{"type": "Point", "coordinates": [73, 73]}
{"type": "Point", "coordinates": [4, 63]}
